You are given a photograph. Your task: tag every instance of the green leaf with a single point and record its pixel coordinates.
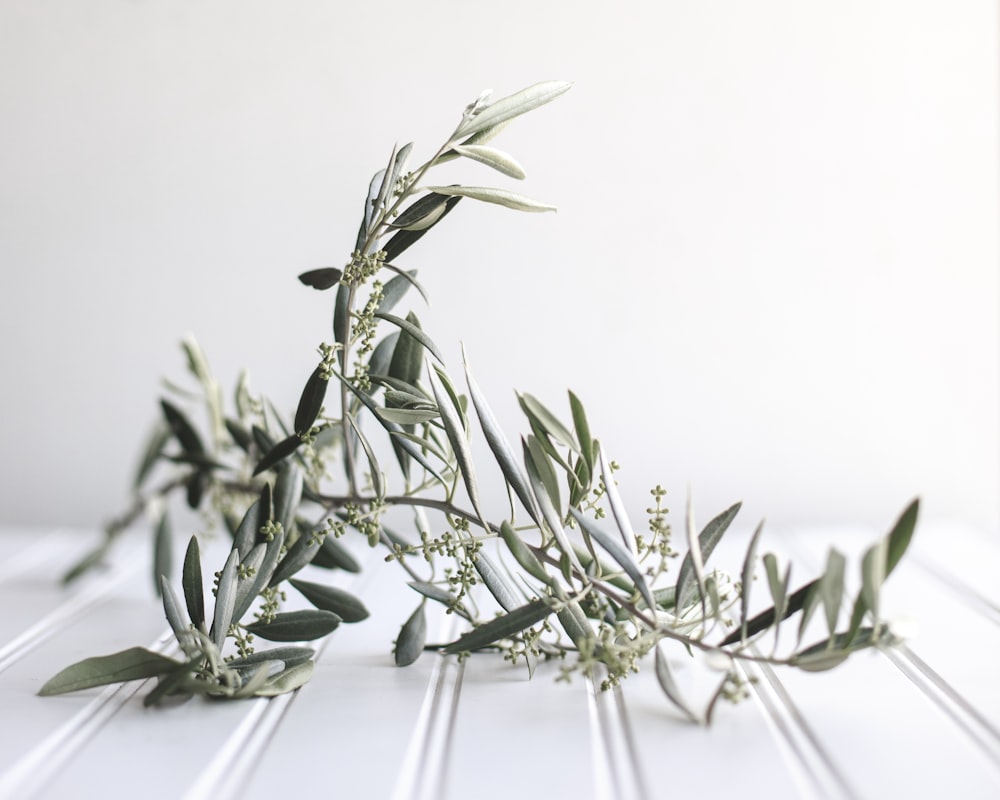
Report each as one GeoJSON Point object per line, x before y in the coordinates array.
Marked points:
{"type": "Point", "coordinates": [422, 214]}
{"type": "Point", "coordinates": [454, 421]}
{"type": "Point", "coordinates": [311, 400]}
{"type": "Point", "coordinates": [491, 157]}
{"type": "Point", "coordinates": [709, 537]}
{"type": "Point", "coordinates": [523, 554]}
{"type": "Point", "coordinates": [287, 493]}
{"type": "Point", "coordinates": [576, 625]}
{"type": "Point", "coordinates": [747, 579]}
{"type": "Point", "coordinates": [537, 413]}
{"type": "Point", "coordinates": [225, 600]}
{"type": "Point", "coordinates": [900, 536]}
{"type": "Point", "coordinates": [333, 555]}
{"type": "Point", "coordinates": [172, 610]}
{"type": "Point", "coordinates": [341, 319]}
{"type": "Point", "coordinates": [616, 504]}
{"type": "Point", "coordinates": [583, 435]}
{"type": "Point", "coordinates": [512, 106]}
{"type": "Point", "coordinates": [410, 642]}
{"type": "Point", "coordinates": [163, 552]}
{"type": "Point", "coordinates": [191, 582]}
{"type": "Point", "coordinates": [403, 240]}
{"type": "Point", "coordinates": [296, 626]}
{"type": "Point", "coordinates": [831, 588]}
{"type": "Point", "coordinates": [253, 521]}
{"type": "Point", "coordinates": [158, 439]}
{"type": "Point", "coordinates": [136, 663]}
{"type": "Point", "coordinates": [288, 656]}
{"type": "Point", "coordinates": [499, 587]}
{"type": "Point", "coordinates": [665, 677]}
{"type": "Point", "coordinates": [396, 288]}
{"type": "Point", "coordinates": [873, 574]}
{"type": "Point", "coordinates": [329, 598]}
{"type": "Point", "coordinates": [500, 447]}
{"type": "Point", "coordinates": [501, 197]}
{"type": "Point", "coordinates": [616, 550]}
{"type": "Point", "coordinates": [278, 453]}
{"type": "Point", "coordinates": [766, 619]}
{"type": "Point", "coordinates": [413, 330]}
{"type": "Point", "coordinates": [833, 651]}
{"type": "Point", "coordinates": [502, 627]}
{"type": "Point", "coordinates": [298, 556]}
{"type": "Point", "coordinates": [408, 416]}
{"type": "Point", "coordinates": [538, 465]}
{"type": "Point", "coordinates": [322, 278]}
{"type": "Point", "coordinates": [251, 587]}
{"type": "Point", "coordinates": [182, 428]}
{"type": "Point", "coordinates": [378, 482]}
{"type": "Point", "coordinates": [287, 681]}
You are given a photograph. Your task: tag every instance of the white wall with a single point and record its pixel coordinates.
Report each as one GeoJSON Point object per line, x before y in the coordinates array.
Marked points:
{"type": "Point", "coordinates": [773, 273]}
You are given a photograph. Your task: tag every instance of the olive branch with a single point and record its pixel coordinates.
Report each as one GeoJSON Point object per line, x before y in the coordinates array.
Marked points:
{"type": "Point", "coordinates": [563, 575]}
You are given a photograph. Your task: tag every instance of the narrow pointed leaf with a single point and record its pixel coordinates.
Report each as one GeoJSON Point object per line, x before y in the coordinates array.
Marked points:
{"type": "Point", "coordinates": [709, 537]}
{"type": "Point", "coordinates": [514, 105]}
{"type": "Point", "coordinates": [502, 162]}
{"type": "Point", "coordinates": [495, 581]}
{"type": "Point", "coordinates": [172, 610]}
{"type": "Point", "coordinates": [289, 680]}
{"type": "Point", "coordinates": [536, 411]}
{"type": "Point", "coordinates": [136, 663]}
{"type": "Point", "coordinates": [831, 588]}
{"type": "Point", "coordinates": [182, 428]}
{"type": "Point", "coordinates": [413, 330]}
{"type": "Point", "coordinates": [766, 619]}
{"type": "Point", "coordinates": [502, 627]}
{"type": "Point", "coordinates": [617, 551]}
{"type": "Point", "coordinates": [403, 240]}
{"type": "Point", "coordinates": [158, 439]}
{"type": "Point", "coordinates": [422, 214]}
{"type": "Point", "coordinates": [333, 555]}
{"type": "Point", "coordinates": [396, 288]}
{"type": "Point", "coordinates": [191, 582]}
{"type": "Point", "coordinates": [454, 426]}
{"type": "Point", "coordinates": [278, 453]}
{"type": "Point", "coordinates": [665, 677]}
{"type": "Point", "coordinates": [523, 554]}
{"type": "Point", "coordinates": [378, 482]}
{"type": "Point", "coordinates": [311, 400]}
{"type": "Point", "coordinates": [501, 197]}
{"type": "Point", "coordinates": [225, 600]}
{"type": "Point", "coordinates": [262, 575]}
{"type": "Point", "coordinates": [747, 580]}
{"type": "Point", "coordinates": [616, 504]}
{"type": "Point", "coordinates": [408, 416]}
{"type": "Point", "coordinates": [411, 639]}
{"type": "Point", "coordinates": [163, 551]}
{"type": "Point", "coordinates": [287, 492]}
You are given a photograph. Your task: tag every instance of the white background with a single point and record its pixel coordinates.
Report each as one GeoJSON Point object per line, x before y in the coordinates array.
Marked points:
{"type": "Point", "coordinates": [773, 273]}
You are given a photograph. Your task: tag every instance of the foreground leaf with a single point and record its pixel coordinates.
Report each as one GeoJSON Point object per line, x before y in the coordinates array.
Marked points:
{"type": "Point", "coordinates": [329, 598]}
{"type": "Point", "coordinates": [296, 626]}
{"type": "Point", "coordinates": [502, 627]}
{"type": "Point", "coordinates": [413, 634]}
{"type": "Point", "coordinates": [133, 664]}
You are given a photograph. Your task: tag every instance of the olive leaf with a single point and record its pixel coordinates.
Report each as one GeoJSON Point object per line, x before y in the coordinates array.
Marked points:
{"type": "Point", "coordinates": [501, 197]}
{"type": "Point", "coordinates": [410, 642]}
{"type": "Point", "coordinates": [135, 663]}
{"type": "Point", "coordinates": [329, 598]}
{"type": "Point", "coordinates": [501, 627]}
{"type": "Point", "coordinates": [296, 626]}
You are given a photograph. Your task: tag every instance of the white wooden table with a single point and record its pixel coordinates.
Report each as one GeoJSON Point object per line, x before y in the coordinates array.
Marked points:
{"type": "Point", "coordinates": [920, 722]}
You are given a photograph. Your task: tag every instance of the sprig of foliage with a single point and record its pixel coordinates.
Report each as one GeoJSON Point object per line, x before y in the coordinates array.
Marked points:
{"type": "Point", "coordinates": [563, 576]}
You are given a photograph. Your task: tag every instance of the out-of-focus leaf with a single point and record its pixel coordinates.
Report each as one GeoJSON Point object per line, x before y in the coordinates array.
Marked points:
{"type": "Point", "coordinates": [278, 453]}
{"type": "Point", "coordinates": [242, 437]}
{"type": "Point", "coordinates": [831, 588]}
{"type": "Point", "coordinates": [172, 609]}
{"type": "Point", "coordinates": [195, 486]}
{"type": "Point", "coordinates": [495, 159]}
{"type": "Point", "coordinates": [747, 579]}
{"type": "Point", "coordinates": [833, 651]}
{"type": "Point", "coordinates": [766, 619]}
{"type": "Point", "coordinates": [575, 623]}
{"type": "Point", "coordinates": [414, 331]}
{"type": "Point", "coordinates": [709, 537]}
{"type": "Point", "coordinates": [436, 593]}
{"type": "Point", "coordinates": [500, 197]}
{"type": "Point", "coordinates": [617, 551]}
{"type": "Point", "coordinates": [296, 626]}
{"type": "Point", "coordinates": [136, 663]}
{"type": "Point", "coordinates": [411, 639]}
{"type": "Point", "coordinates": [665, 677]}
{"type": "Point", "coordinates": [182, 428]}
{"type": "Point", "coordinates": [513, 105]}
{"type": "Point", "coordinates": [329, 598]}
{"type": "Point", "coordinates": [502, 627]}
{"type": "Point", "coordinates": [322, 278]}
{"type": "Point", "coordinates": [873, 574]}
{"type": "Point", "coordinates": [500, 447]}
{"type": "Point", "coordinates": [287, 495]}
{"type": "Point", "coordinates": [158, 439]}
{"type": "Point", "coordinates": [311, 400]}
{"type": "Point", "coordinates": [163, 551]}
{"type": "Point", "coordinates": [191, 582]}
{"type": "Point", "coordinates": [225, 600]}
{"type": "Point", "coordinates": [403, 240]}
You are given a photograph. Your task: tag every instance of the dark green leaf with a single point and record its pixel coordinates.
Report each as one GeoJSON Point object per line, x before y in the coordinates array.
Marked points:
{"type": "Point", "coordinates": [414, 331]}
{"type": "Point", "coordinates": [299, 555]}
{"type": "Point", "coordinates": [311, 400]}
{"type": "Point", "coordinates": [341, 319]}
{"type": "Point", "coordinates": [403, 240]}
{"type": "Point", "coordinates": [133, 664]}
{"type": "Point", "coordinates": [766, 619]}
{"type": "Point", "coordinates": [287, 496]}
{"type": "Point", "coordinates": [321, 278]}
{"type": "Point", "coordinates": [502, 627]}
{"type": "Point", "coordinates": [278, 453]}
{"type": "Point", "coordinates": [329, 598]}
{"type": "Point", "coordinates": [333, 555]}
{"type": "Point", "coordinates": [158, 439]}
{"type": "Point", "coordinates": [182, 428]}
{"type": "Point", "coordinates": [436, 593]}
{"type": "Point", "coordinates": [296, 626]}
{"type": "Point", "coordinates": [413, 634]}
{"type": "Point", "coordinates": [422, 214]}
{"type": "Point", "coordinates": [194, 592]}
{"type": "Point", "coordinates": [196, 484]}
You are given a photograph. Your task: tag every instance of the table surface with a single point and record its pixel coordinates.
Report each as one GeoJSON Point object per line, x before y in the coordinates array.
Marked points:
{"type": "Point", "coordinates": [922, 720]}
